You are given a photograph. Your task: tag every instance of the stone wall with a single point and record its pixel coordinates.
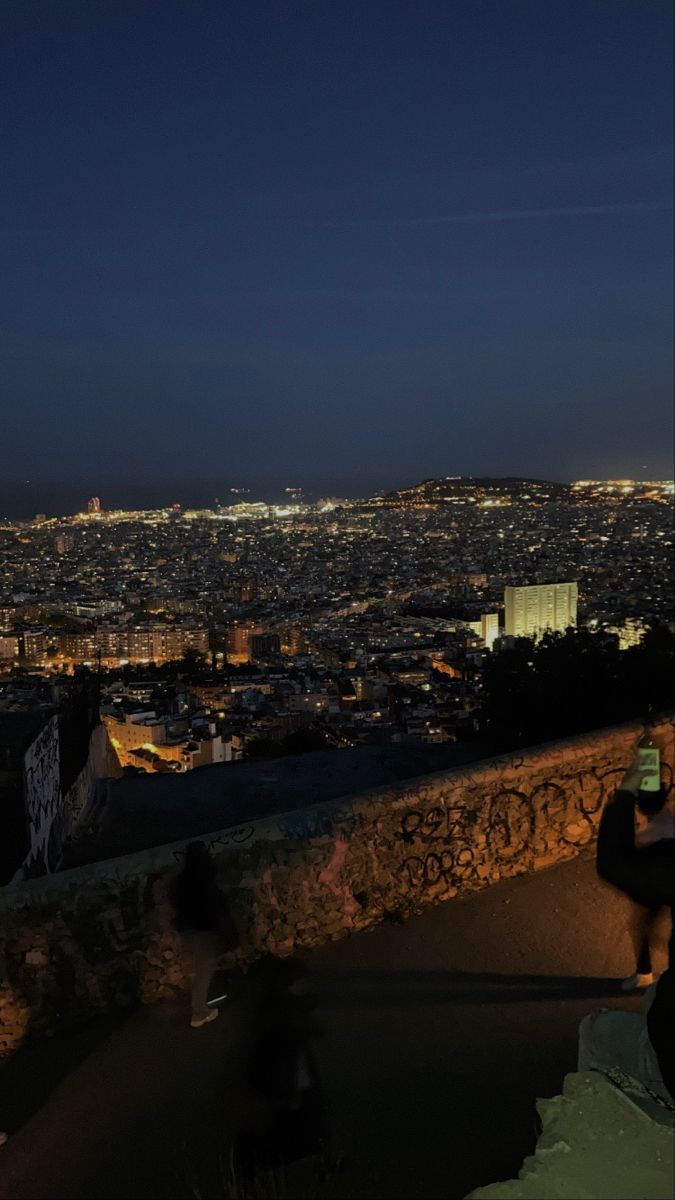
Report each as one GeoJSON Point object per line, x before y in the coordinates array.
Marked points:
{"type": "Point", "coordinates": [100, 937]}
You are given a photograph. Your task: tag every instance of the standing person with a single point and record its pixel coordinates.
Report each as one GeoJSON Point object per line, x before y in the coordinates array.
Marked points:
{"type": "Point", "coordinates": [642, 1045]}
{"type": "Point", "coordinates": [658, 824]}
{"type": "Point", "coordinates": [282, 1119]}
{"type": "Point", "coordinates": [203, 919]}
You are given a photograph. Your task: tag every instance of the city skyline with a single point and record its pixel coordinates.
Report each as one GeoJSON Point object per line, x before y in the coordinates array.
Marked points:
{"type": "Point", "coordinates": [56, 500]}
{"type": "Point", "coordinates": [369, 243]}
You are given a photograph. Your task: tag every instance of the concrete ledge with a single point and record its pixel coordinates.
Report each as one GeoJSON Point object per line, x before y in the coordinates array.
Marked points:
{"type": "Point", "coordinates": [596, 1145]}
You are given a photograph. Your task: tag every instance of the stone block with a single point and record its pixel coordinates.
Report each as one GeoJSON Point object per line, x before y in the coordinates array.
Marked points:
{"type": "Point", "coordinates": [573, 830]}
{"type": "Point", "coordinates": [546, 860]}
{"type": "Point", "coordinates": [595, 1142]}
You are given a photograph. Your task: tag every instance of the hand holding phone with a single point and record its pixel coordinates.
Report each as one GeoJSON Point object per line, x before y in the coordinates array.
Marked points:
{"type": "Point", "coordinates": [649, 762]}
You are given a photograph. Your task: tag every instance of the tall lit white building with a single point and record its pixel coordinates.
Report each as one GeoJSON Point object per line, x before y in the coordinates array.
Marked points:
{"type": "Point", "coordinates": [538, 608]}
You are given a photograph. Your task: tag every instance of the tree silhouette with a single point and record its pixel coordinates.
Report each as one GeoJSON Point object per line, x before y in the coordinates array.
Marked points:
{"type": "Point", "coordinates": [576, 681]}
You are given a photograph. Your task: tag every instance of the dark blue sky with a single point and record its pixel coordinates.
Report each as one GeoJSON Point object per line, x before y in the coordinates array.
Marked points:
{"type": "Point", "coordinates": [338, 242]}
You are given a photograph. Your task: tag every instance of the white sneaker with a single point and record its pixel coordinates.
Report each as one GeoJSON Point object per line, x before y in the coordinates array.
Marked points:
{"type": "Point", "coordinates": [197, 1022]}
{"type": "Point", "coordinates": [3, 1138]}
{"type": "Point", "coordinates": [636, 982]}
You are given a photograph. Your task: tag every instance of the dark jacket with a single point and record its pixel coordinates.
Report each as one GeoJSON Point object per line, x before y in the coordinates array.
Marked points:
{"type": "Point", "coordinates": [201, 907]}
{"type": "Point", "coordinates": [647, 875]}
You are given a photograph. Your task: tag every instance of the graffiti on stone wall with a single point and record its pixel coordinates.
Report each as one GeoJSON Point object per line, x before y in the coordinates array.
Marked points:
{"type": "Point", "coordinates": [298, 826]}
{"type": "Point", "coordinates": [313, 822]}
{"type": "Point", "coordinates": [441, 840]}
{"type": "Point", "coordinates": [227, 838]}
{"type": "Point", "coordinates": [232, 837]}
{"type": "Point", "coordinates": [448, 867]}
{"type": "Point", "coordinates": [510, 824]}
{"type": "Point", "coordinates": [444, 858]}
{"type": "Point", "coordinates": [46, 822]}
{"type": "Point", "coordinates": [440, 822]}
{"type": "Point", "coordinates": [115, 922]}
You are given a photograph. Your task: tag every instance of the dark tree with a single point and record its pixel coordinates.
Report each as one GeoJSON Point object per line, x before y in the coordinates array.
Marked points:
{"type": "Point", "coordinates": [572, 682]}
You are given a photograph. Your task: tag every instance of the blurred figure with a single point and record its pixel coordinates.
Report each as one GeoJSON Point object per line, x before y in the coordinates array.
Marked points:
{"type": "Point", "coordinates": [640, 1045]}
{"type": "Point", "coordinates": [282, 1117]}
{"type": "Point", "coordinates": [655, 823]}
{"type": "Point", "coordinates": [203, 919]}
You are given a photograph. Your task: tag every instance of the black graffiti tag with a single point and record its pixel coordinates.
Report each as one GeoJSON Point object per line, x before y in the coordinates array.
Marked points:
{"type": "Point", "coordinates": [233, 837]}
{"type": "Point", "coordinates": [438, 824]}
{"type": "Point", "coordinates": [510, 824]}
{"type": "Point", "coordinates": [438, 867]}
{"type": "Point", "coordinates": [422, 826]}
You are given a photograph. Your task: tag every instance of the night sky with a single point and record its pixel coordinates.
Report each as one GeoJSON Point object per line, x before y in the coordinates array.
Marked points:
{"type": "Point", "coordinates": [343, 244]}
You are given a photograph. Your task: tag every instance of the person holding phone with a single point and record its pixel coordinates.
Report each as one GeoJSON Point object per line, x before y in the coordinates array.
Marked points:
{"type": "Point", "coordinates": [642, 1045]}
{"type": "Point", "coordinates": [655, 822]}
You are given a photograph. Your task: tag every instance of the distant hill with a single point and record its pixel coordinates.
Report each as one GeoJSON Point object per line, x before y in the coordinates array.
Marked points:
{"type": "Point", "coordinates": [474, 489]}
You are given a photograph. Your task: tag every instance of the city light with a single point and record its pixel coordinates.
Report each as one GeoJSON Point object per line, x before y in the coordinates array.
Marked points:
{"type": "Point", "coordinates": [360, 620]}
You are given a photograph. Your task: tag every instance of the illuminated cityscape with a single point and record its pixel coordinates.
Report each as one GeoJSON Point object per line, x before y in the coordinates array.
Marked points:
{"type": "Point", "coordinates": [365, 622]}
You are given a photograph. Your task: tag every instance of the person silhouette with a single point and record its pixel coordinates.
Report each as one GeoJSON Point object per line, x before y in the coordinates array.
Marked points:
{"type": "Point", "coordinates": [204, 921]}
{"type": "Point", "coordinates": [641, 1045]}
{"type": "Point", "coordinates": [283, 1117]}
{"type": "Point", "coordinates": [655, 822]}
